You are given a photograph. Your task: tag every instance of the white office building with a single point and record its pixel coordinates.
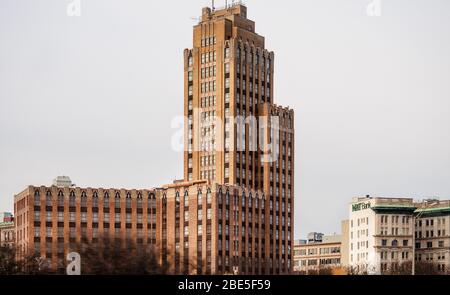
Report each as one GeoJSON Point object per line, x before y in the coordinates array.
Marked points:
{"type": "Point", "coordinates": [380, 234]}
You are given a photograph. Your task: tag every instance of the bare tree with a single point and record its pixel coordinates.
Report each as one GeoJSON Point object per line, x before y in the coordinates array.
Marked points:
{"type": "Point", "coordinates": [13, 264]}
{"type": "Point", "coordinates": [119, 257]}
{"type": "Point", "coordinates": [425, 268]}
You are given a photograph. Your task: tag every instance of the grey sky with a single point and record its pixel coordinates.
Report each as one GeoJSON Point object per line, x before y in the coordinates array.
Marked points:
{"type": "Point", "coordinates": [93, 97]}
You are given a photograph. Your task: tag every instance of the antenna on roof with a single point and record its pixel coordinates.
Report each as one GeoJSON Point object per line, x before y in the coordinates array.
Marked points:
{"type": "Point", "coordinates": [213, 8]}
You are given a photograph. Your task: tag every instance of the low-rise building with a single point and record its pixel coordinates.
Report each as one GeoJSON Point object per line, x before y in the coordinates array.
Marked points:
{"type": "Point", "coordinates": [381, 234]}
{"type": "Point", "coordinates": [432, 235]}
{"type": "Point", "coordinates": [319, 255]}
{"type": "Point", "coordinates": [6, 230]}
{"type": "Point", "coordinates": [197, 227]}
{"type": "Point", "coordinates": [386, 234]}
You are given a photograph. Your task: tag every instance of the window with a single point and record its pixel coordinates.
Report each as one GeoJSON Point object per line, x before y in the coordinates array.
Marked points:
{"type": "Point", "coordinates": [199, 199]}
{"type": "Point", "coordinates": [83, 200]}
{"type": "Point", "coordinates": [208, 198]}
{"type": "Point", "coordinates": [200, 230]}
{"type": "Point", "coordinates": [37, 199]}
{"type": "Point", "coordinates": [209, 214]}
{"type": "Point", "coordinates": [60, 199]}
{"type": "Point", "coordinates": [48, 199]}
{"type": "Point", "coordinates": [117, 201]}
{"type": "Point", "coordinates": [186, 199]}
{"type": "Point", "coordinates": [106, 201]}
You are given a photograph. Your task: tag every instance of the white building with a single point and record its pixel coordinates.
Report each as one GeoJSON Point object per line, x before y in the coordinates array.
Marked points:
{"type": "Point", "coordinates": [380, 234]}
{"type": "Point", "coordinates": [432, 235]}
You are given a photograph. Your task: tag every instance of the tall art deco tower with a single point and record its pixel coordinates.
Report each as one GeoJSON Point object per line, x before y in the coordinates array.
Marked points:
{"type": "Point", "coordinates": [235, 135]}
{"type": "Point", "coordinates": [233, 213]}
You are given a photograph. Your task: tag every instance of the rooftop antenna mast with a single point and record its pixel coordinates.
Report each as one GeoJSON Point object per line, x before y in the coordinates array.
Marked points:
{"type": "Point", "coordinates": [213, 8]}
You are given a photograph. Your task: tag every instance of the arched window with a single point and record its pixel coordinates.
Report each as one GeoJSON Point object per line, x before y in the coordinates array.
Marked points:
{"type": "Point", "coordinates": [48, 199]}
{"type": "Point", "coordinates": [186, 198]}
{"type": "Point", "coordinates": [37, 198]}
{"type": "Point", "coordinates": [139, 200]}
{"type": "Point", "coordinates": [60, 199]}
{"type": "Point", "coordinates": [209, 197]}
{"type": "Point", "coordinates": [83, 199]}
{"type": "Point", "coordinates": [106, 200]}
{"type": "Point", "coordinates": [72, 201]}
{"type": "Point", "coordinates": [117, 201]}
{"type": "Point", "coordinates": [177, 200]}
{"type": "Point", "coordinates": [199, 198]}
{"type": "Point", "coordinates": [95, 200]}
{"type": "Point", "coordinates": [219, 198]}
{"type": "Point", "coordinates": [128, 201]}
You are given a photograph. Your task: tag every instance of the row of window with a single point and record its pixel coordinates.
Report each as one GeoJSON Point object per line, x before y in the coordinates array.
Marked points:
{"type": "Point", "coordinates": [61, 201]}
{"type": "Point", "coordinates": [431, 222]}
{"type": "Point", "coordinates": [206, 87]}
{"type": "Point", "coordinates": [395, 219]}
{"type": "Point", "coordinates": [430, 234]}
{"type": "Point", "coordinates": [151, 233]}
{"type": "Point", "coordinates": [208, 57]}
{"type": "Point", "coordinates": [394, 255]}
{"type": "Point", "coordinates": [209, 40]}
{"type": "Point", "coordinates": [95, 217]}
{"type": "Point", "coordinates": [208, 101]}
{"type": "Point", "coordinates": [206, 72]}
{"type": "Point", "coordinates": [430, 245]}
{"type": "Point", "coordinates": [430, 256]}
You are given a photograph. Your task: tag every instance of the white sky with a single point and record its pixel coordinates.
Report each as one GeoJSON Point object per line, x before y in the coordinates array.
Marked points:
{"type": "Point", "coordinates": [93, 96]}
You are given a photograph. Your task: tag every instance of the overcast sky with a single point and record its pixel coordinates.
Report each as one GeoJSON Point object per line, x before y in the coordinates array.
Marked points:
{"type": "Point", "coordinates": [93, 96]}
